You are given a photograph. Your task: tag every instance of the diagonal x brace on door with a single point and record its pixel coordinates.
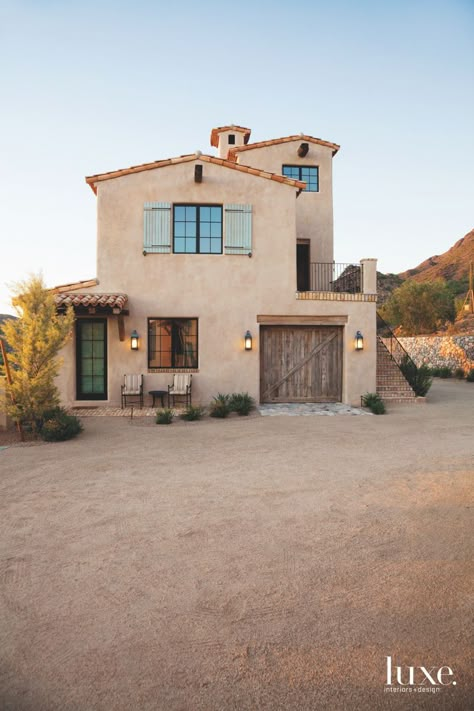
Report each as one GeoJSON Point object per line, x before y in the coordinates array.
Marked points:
{"type": "Point", "coordinates": [297, 367]}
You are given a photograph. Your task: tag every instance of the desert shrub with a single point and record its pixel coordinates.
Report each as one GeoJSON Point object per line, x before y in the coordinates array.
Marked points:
{"type": "Point", "coordinates": [470, 376]}
{"type": "Point", "coordinates": [419, 307]}
{"type": "Point", "coordinates": [192, 412]}
{"type": "Point", "coordinates": [220, 406]}
{"type": "Point", "coordinates": [164, 416]}
{"type": "Point", "coordinates": [57, 426]}
{"type": "Point", "coordinates": [459, 373]}
{"type": "Point", "coordinates": [241, 403]}
{"type": "Point", "coordinates": [443, 372]}
{"type": "Point", "coordinates": [374, 402]}
{"type": "Point", "coordinates": [419, 378]}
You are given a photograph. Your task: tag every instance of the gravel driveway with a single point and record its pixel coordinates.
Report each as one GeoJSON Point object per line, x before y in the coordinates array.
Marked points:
{"type": "Point", "coordinates": [261, 563]}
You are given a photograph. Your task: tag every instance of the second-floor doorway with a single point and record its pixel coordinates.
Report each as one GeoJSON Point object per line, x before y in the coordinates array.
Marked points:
{"type": "Point", "coordinates": [302, 265]}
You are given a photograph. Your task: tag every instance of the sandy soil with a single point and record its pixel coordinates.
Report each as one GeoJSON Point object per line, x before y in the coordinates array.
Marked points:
{"type": "Point", "coordinates": [270, 563]}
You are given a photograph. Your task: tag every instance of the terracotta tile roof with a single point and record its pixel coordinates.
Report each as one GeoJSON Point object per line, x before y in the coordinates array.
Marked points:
{"type": "Point", "coordinates": [87, 301]}
{"type": "Point", "coordinates": [86, 284]}
{"type": "Point", "coordinates": [286, 139]}
{"type": "Point", "coordinates": [240, 129]}
{"type": "Point", "coordinates": [94, 179]}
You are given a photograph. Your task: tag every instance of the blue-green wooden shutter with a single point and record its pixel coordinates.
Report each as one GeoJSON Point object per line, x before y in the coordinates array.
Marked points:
{"type": "Point", "coordinates": [157, 227]}
{"type": "Point", "coordinates": [238, 229]}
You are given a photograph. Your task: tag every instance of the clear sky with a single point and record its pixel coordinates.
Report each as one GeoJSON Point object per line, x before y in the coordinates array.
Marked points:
{"type": "Point", "coordinates": [88, 87]}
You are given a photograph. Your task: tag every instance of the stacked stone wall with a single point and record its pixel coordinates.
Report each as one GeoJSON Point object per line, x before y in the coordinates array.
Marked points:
{"type": "Point", "coordinates": [441, 351]}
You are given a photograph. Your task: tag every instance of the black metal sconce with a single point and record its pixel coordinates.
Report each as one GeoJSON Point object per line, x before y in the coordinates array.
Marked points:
{"type": "Point", "coordinates": [359, 341]}
{"type": "Point", "coordinates": [248, 341]}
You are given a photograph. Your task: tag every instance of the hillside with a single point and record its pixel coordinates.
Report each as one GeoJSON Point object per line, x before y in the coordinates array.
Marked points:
{"type": "Point", "coordinates": [453, 264]}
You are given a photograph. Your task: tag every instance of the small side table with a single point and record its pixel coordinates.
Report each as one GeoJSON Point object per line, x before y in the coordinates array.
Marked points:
{"type": "Point", "coordinates": [158, 393]}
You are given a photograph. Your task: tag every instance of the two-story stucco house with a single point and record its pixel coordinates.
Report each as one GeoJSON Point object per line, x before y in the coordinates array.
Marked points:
{"type": "Point", "coordinates": [194, 252]}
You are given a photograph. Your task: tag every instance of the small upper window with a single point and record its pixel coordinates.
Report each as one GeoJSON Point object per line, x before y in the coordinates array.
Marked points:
{"type": "Point", "coordinates": [310, 175]}
{"type": "Point", "coordinates": [231, 139]}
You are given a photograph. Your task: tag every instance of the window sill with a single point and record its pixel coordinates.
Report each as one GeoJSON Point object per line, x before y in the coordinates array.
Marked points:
{"type": "Point", "coordinates": [173, 370]}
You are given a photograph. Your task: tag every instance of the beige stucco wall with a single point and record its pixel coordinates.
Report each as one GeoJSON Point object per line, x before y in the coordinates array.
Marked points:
{"type": "Point", "coordinates": [226, 293]}
{"type": "Point", "coordinates": [314, 211]}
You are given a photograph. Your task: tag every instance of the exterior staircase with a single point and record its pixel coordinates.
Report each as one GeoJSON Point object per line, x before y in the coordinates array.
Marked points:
{"type": "Point", "coordinates": [391, 383]}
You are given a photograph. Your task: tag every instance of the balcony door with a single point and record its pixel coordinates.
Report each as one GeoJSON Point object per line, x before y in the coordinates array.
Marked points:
{"type": "Point", "coordinates": [302, 265]}
{"type": "Point", "coordinates": [91, 359]}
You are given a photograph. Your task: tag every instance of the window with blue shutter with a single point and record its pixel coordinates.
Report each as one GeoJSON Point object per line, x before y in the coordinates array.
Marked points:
{"type": "Point", "coordinates": [157, 228]}
{"type": "Point", "coordinates": [238, 229]}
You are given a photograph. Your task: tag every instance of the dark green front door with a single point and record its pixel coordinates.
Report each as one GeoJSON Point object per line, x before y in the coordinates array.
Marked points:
{"type": "Point", "coordinates": [91, 359]}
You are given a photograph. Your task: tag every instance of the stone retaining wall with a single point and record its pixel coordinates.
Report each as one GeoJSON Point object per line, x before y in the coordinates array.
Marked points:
{"type": "Point", "coordinates": [441, 351]}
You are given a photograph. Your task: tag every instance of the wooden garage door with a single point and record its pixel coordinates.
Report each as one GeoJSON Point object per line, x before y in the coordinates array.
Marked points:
{"type": "Point", "coordinates": [301, 363]}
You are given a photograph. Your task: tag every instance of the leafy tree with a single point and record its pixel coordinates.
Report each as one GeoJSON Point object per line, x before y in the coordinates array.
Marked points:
{"type": "Point", "coordinates": [34, 339]}
{"type": "Point", "coordinates": [420, 307]}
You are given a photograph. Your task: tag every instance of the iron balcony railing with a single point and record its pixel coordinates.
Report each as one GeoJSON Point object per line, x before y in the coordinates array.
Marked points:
{"type": "Point", "coordinates": [336, 277]}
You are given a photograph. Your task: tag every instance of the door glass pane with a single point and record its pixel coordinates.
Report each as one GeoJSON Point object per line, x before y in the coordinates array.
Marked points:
{"type": "Point", "coordinates": [91, 359]}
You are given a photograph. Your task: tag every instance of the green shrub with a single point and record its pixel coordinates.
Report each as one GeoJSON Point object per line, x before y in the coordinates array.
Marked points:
{"type": "Point", "coordinates": [192, 413]}
{"type": "Point", "coordinates": [241, 403]}
{"type": "Point", "coordinates": [374, 402]}
{"type": "Point", "coordinates": [220, 406]}
{"type": "Point", "coordinates": [420, 379]}
{"type": "Point", "coordinates": [57, 426]}
{"type": "Point", "coordinates": [470, 376]}
{"type": "Point", "coordinates": [459, 373]}
{"type": "Point", "coordinates": [164, 416]}
{"type": "Point", "coordinates": [443, 372]}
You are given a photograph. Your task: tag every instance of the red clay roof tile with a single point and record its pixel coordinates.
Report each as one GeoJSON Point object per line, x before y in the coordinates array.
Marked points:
{"type": "Point", "coordinates": [240, 129]}
{"type": "Point", "coordinates": [94, 179]}
{"type": "Point", "coordinates": [285, 139]}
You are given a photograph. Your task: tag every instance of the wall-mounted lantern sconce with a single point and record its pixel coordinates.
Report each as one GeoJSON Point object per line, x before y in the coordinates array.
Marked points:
{"type": "Point", "coordinates": [248, 341]}
{"type": "Point", "coordinates": [359, 341]}
{"type": "Point", "coordinates": [134, 339]}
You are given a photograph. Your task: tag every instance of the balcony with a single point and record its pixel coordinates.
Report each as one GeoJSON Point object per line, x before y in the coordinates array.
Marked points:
{"type": "Point", "coordinates": [337, 281]}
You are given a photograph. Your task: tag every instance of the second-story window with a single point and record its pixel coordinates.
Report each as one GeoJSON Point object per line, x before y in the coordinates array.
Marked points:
{"type": "Point", "coordinates": [310, 174]}
{"type": "Point", "coordinates": [197, 229]}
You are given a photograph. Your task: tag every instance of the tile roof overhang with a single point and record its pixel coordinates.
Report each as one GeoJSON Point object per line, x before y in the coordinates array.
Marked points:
{"type": "Point", "coordinates": [239, 129]}
{"type": "Point", "coordinates": [232, 155]}
{"type": "Point", "coordinates": [84, 303]}
{"type": "Point", "coordinates": [94, 179]}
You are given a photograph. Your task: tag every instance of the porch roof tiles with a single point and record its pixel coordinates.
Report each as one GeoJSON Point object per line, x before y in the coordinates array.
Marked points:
{"type": "Point", "coordinates": [107, 302]}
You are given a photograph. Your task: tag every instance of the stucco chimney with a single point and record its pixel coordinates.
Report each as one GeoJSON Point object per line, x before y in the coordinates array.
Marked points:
{"type": "Point", "coordinates": [226, 137]}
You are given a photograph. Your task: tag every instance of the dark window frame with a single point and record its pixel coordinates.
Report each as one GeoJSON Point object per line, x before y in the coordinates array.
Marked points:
{"type": "Point", "coordinates": [173, 320]}
{"type": "Point", "coordinates": [299, 168]}
{"type": "Point", "coordinates": [231, 139]}
{"type": "Point", "coordinates": [198, 207]}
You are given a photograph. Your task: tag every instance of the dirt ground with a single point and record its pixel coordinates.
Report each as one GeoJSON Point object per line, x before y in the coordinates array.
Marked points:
{"type": "Point", "coordinates": [270, 563]}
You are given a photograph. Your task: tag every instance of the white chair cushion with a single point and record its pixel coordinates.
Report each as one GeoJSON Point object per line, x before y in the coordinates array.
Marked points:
{"type": "Point", "coordinates": [181, 382]}
{"type": "Point", "coordinates": [132, 384]}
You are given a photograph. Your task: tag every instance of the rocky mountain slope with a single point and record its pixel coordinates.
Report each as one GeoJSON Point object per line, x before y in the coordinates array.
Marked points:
{"type": "Point", "coordinates": [453, 264]}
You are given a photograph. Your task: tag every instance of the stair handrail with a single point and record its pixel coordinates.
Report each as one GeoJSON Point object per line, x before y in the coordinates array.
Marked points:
{"type": "Point", "coordinates": [395, 348]}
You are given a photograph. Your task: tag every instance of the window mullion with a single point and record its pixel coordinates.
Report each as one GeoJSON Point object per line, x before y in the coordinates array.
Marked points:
{"type": "Point", "coordinates": [198, 229]}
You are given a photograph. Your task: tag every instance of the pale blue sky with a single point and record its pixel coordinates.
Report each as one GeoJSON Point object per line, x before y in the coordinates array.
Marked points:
{"type": "Point", "coordinates": [88, 87]}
